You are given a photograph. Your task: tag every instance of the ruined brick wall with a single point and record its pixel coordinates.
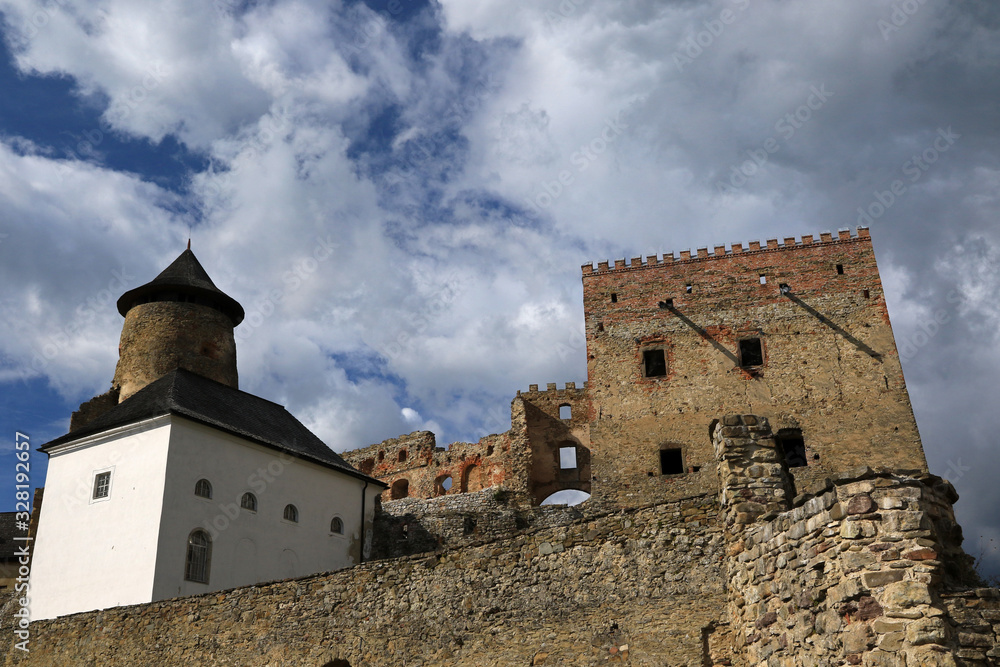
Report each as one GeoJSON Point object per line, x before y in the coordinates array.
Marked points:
{"type": "Point", "coordinates": [415, 467]}
{"type": "Point", "coordinates": [161, 336]}
{"type": "Point", "coordinates": [830, 370]}
{"type": "Point", "coordinates": [855, 573]}
{"type": "Point", "coordinates": [640, 587]}
{"type": "Point", "coordinates": [551, 432]}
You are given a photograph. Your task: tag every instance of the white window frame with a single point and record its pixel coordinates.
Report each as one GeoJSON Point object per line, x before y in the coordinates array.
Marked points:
{"type": "Point", "coordinates": [110, 471]}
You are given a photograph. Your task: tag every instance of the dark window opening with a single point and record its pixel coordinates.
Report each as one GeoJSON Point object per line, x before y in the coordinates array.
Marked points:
{"type": "Point", "coordinates": [793, 446]}
{"type": "Point", "coordinates": [489, 451]}
{"type": "Point", "coordinates": [399, 489]}
{"type": "Point", "coordinates": [751, 353]}
{"type": "Point", "coordinates": [840, 269]}
{"type": "Point", "coordinates": [468, 525]}
{"type": "Point", "coordinates": [203, 488]}
{"type": "Point", "coordinates": [381, 456]}
{"type": "Point", "coordinates": [565, 412]}
{"type": "Point", "coordinates": [339, 662]}
{"type": "Point", "coordinates": [867, 294]}
{"type": "Point", "coordinates": [671, 462]}
{"type": "Point", "coordinates": [249, 502]}
{"type": "Point", "coordinates": [102, 484]}
{"type": "Point", "coordinates": [402, 455]}
{"type": "Point", "coordinates": [668, 303]}
{"type": "Point", "coordinates": [654, 363]}
{"type": "Point", "coordinates": [614, 298]}
{"type": "Point", "coordinates": [688, 288]}
{"type": "Point", "coordinates": [199, 557]}
{"type": "Point", "coordinates": [337, 525]}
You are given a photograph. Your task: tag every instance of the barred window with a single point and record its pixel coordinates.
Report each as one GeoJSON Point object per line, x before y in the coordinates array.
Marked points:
{"type": "Point", "coordinates": [203, 488]}
{"type": "Point", "coordinates": [249, 502]}
{"type": "Point", "coordinates": [337, 525]}
{"type": "Point", "coordinates": [102, 485]}
{"type": "Point", "coordinates": [199, 556]}
{"type": "Point", "coordinates": [291, 513]}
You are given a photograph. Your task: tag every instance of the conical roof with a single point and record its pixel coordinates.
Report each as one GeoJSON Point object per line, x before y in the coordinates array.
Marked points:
{"type": "Point", "coordinates": [185, 277]}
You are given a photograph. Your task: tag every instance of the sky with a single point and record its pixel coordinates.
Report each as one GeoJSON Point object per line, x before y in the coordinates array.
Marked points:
{"type": "Point", "coordinates": [401, 193]}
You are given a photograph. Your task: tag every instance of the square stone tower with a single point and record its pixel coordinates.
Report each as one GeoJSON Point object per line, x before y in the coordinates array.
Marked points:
{"type": "Point", "coordinates": [797, 332]}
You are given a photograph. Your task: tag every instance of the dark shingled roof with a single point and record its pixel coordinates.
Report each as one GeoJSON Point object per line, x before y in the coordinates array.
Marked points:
{"type": "Point", "coordinates": [185, 276]}
{"type": "Point", "coordinates": [181, 392]}
{"type": "Point", "coordinates": [7, 531]}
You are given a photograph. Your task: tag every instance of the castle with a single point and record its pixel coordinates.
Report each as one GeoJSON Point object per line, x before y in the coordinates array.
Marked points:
{"type": "Point", "coordinates": [758, 496]}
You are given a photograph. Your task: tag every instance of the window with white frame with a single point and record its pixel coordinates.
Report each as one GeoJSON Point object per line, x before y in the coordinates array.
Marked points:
{"type": "Point", "coordinates": [102, 485]}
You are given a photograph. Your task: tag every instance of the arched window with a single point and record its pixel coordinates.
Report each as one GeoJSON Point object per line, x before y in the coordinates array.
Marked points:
{"type": "Point", "coordinates": [291, 513]}
{"type": "Point", "coordinates": [402, 455]}
{"type": "Point", "coordinates": [203, 488]}
{"type": "Point", "coordinates": [249, 502]}
{"type": "Point", "coordinates": [337, 525]}
{"type": "Point", "coordinates": [400, 489]}
{"type": "Point", "coordinates": [199, 557]}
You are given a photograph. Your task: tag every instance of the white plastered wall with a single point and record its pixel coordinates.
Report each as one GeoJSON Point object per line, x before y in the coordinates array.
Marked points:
{"type": "Point", "coordinates": [93, 554]}
{"type": "Point", "coordinates": [250, 547]}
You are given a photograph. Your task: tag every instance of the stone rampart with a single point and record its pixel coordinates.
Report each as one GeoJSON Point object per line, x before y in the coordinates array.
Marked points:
{"type": "Point", "coordinates": [639, 587]}
{"type": "Point", "coordinates": [855, 573]}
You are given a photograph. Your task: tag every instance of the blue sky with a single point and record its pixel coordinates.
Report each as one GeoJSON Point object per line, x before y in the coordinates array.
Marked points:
{"type": "Point", "coordinates": [419, 147]}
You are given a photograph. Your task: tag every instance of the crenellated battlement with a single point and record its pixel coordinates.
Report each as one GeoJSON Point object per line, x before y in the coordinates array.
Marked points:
{"type": "Point", "coordinates": [553, 387]}
{"type": "Point", "coordinates": [720, 251]}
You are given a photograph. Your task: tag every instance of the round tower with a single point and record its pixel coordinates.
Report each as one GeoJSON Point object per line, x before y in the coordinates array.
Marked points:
{"type": "Point", "coordinates": [180, 319]}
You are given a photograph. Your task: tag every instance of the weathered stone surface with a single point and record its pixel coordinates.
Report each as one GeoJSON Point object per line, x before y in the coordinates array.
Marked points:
{"type": "Point", "coordinates": [906, 594]}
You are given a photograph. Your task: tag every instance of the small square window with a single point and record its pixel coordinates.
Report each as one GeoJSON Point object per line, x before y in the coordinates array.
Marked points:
{"type": "Point", "coordinates": [751, 353]}
{"type": "Point", "coordinates": [567, 458]}
{"type": "Point", "coordinates": [102, 485]}
{"type": "Point", "coordinates": [654, 363]}
{"type": "Point", "coordinates": [763, 280]}
{"type": "Point", "coordinates": [565, 412]}
{"type": "Point", "coordinates": [840, 269]}
{"type": "Point", "coordinates": [671, 461]}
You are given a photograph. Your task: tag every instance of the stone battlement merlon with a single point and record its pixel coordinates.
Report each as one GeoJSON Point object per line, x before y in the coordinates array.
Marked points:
{"type": "Point", "coordinates": [552, 387]}
{"type": "Point", "coordinates": [720, 251]}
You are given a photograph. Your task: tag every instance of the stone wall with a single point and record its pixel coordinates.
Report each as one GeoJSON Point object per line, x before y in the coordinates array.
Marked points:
{"type": "Point", "coordinates": [975, 625]}
{"type": "Point", "coordinates": [413, 525]}
{"type": "Point", "coordinates": [160, 336]}
{"type": "Point", "coordinates": [415, 467]}
{"type": "Point", "coordinates": [642, 587]}
{"type": "Point", "coordinates": [550, 432]}
{"type": "Point", "coordinates": [827, 347]}
{"type": "Point", "coordinates": [854, 573]}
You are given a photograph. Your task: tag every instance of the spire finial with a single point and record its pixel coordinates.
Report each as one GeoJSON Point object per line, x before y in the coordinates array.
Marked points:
{"type": "Point", "coordinates": [189, 243]}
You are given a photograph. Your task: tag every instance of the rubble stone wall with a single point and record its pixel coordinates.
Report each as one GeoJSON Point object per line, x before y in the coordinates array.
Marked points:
{"type": "Point", "coordinates": [855, 573]}
{"type": "Point", "coordinates": [640, 587]}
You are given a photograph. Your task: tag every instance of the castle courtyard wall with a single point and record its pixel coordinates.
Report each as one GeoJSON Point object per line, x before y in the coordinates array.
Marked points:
{"type": "Point", "coordinates": [641, 587]}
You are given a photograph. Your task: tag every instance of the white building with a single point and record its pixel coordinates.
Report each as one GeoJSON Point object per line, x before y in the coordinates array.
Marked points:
{"type": "Point", "coordinates": [188, 485]}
